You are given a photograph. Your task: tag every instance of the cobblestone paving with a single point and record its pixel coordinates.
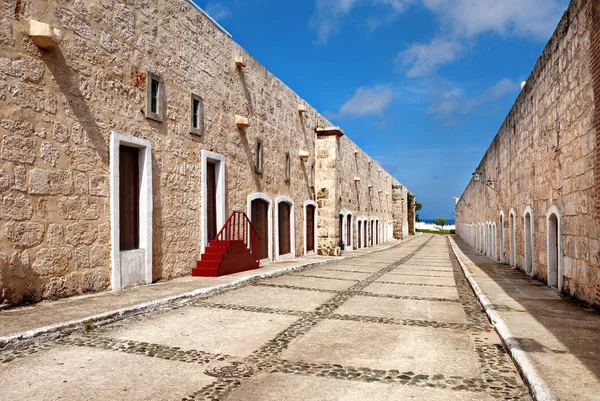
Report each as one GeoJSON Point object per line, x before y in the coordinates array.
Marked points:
{"type": "Point", "coordinates": [203, 334]}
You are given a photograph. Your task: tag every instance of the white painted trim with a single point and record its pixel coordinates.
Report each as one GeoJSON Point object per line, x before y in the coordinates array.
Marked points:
{"type": "Point", "coordinates": [560, 273]}
{"type": "Point", "coordinates": [219, 160]}
{"type": "Point", "coordinates": [292, 254]}
{"type": "Point", "coordinates": [265, 197]}
{"type": "Point", "coordinates": [512, 231]}
{"type": "Point", "coordinates": [311, 203]}
{"type": "Point", "coordinates": [529, 210]}
{"type": "Point", "coordinates": [145, 205]}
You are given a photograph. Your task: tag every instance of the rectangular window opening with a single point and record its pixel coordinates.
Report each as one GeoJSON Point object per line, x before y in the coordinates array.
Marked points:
{"type": "Point", "coordinates": [259, 157]}
{"type": "Point", "coordinates": [154, 97]}
{"type": "Point", "coordinates": [287, 167]}
{"type": "Point", "coordinates": [196, 115]}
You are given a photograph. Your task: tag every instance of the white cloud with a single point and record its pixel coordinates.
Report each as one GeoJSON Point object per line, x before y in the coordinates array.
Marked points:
{"type": "Point", "coordinates": [217, 11]}
{"type": "Point", "coordinates": [368, 102]}
{"type": "Point", "coordinates": [328, 14]}
{"type": "Point", "coordinates": [464, 20]}
{"type": "Point", "coordinates": [421, 59]}
{"type": "Point", "coordinates": [526, 18]}
{"type": "Point", "coordinates": [448, 100]}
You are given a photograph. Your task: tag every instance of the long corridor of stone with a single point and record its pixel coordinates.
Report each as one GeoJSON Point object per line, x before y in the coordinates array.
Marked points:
{"type": "Point", "coordinates": [400, 324]}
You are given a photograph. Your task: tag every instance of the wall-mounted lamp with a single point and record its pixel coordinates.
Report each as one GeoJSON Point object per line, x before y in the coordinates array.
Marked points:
{"type": "Point", "coordinates": [478, 177]}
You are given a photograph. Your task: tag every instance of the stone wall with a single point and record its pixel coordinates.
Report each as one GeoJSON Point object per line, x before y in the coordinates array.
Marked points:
{"type": "Point", "coordinates": [545, 154]}
{"type": "Point", "coordinates": [58, 108]}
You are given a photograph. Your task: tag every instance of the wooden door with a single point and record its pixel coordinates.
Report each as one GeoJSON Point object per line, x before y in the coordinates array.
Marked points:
{"type": "Point", "coordinates": [284, 228]}
{"type": "Point", "coordinates": [348, 230]}
{"type": "Point", "coordinates": [260, 221]}
{"type": "Point", "coordinates": [129, 198]}
{"type": "Point", "coordinates": [310, 228]}
{"type": "Point", "coordinates": [211, 201]}
{"type": "Point", "coordinates": [359, 235]}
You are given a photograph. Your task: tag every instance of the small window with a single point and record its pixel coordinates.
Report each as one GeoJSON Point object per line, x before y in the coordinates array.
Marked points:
{"type": "Point", "coordinates": [196, 115]}
{"type": "Point", "coordinates": [258, 164]}
{"type": "Point", "coordinates": [155, 95]}
{"type": "Point", "coordinates": [312, 175]}
{"type": "Point", "coordinates": [287, 167]}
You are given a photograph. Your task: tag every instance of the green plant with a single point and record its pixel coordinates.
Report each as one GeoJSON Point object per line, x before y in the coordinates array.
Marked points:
{"type": "Point", "coordinates": [89, 326]}
{"type": "Point", "coordinates": [441, 222]}
{"type": "Point", "coordinates": [66, 333]}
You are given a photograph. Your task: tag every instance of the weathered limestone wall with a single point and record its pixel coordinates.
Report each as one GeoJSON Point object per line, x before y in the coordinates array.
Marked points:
{"type": "Point", "coordinates": [400, 210]}
{"type": "Point", "coordinates": [58, 108]}
{"type": "Point", "coordinates": [545, 155]}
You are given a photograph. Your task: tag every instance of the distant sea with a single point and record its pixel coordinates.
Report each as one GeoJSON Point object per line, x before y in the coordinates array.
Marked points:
{"type": "Point", "coordinates": [448, 221]}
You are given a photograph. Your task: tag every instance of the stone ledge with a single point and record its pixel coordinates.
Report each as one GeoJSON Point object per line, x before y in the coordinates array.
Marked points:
{"type": "Point", "coordinates": [334, 130]}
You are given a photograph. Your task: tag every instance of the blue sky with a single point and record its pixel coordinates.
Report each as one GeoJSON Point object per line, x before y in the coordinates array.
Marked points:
{"type": "Point", "coordinates": [421, 85]}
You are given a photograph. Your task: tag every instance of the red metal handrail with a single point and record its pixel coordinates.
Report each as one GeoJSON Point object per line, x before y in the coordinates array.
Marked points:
{"type": "Point", "coordinates": [238, 227]}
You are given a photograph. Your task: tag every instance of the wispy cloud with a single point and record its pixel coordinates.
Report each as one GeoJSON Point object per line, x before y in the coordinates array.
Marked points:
{"type": "Point", "coordinates": [328, 14]}
{"type": "Point", "coordinates": [462, 21]}
{"type": "Point", "coordinates": [421, 59]}
{"type": "Point", "coordinates": [447, 100]}
{"type": "Point", "coordinates": [367, 102]}
{"type": "Point", "coordinates": [217, 10]}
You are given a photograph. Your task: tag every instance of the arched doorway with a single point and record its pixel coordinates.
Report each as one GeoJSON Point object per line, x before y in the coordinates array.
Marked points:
{"type": "Point", "coordinates": [285, 246]}
{"type": "Point", "coordinates": [554, 245]}
{"type": "Point", "coordinates": [259, 212]}
{"type": "Point", "coordinates": [365, 233]}
{"type": "Point", "coordinates": [349, 230]}
{"type": "Point", "coordinates": [502, 246]}
{"type": "Point", "coordinates": [528, 230]}
{"type": "Point", "coordinates": [310, 227]}
{"type": "Point", "coordinates": [359, 234]}
{"type": "Point", "coordinates": [512, 230]}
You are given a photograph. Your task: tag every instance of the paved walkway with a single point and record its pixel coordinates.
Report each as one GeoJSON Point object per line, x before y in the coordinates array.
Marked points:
{"type": "Point", "coordinates": [398, 324]}
{"type": "Point", "coordinates": [105, 305]}
{"type": "Point", "coordinates": [560, 338]}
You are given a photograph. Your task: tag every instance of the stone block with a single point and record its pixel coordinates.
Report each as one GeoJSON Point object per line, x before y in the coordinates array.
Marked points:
{"type": "Point", "coordinates": [99, 185]}
{"type": "Point", "coordinates": [84, 159]}
{"type": "Point", "coordinates": [18, 149]}
{"type": "Point", "coordinates": [94, 281]}
{"type": "Point", "coordinates": [78, 208]}
{"type": "Point", "coordinates": [20, 183]}
{"type": "Point", "coordinates": [15, 207]}
{"type": "Point", "coordinates": [25, 234]}
{"type": "Point", "coordinates": [60, 132]}
{"type": "Point", "coordinates": [61, 287]}
{"type": "Point", "coordinates": [19, 128]}
{"type": "Point", "coordinates": [81, 234]}
{"type": "Point", "coordinates": [82, 258]}
{"type": "Point", "coordinates": [55, 235]}
{"type": "Point", "coordinates": [99, 255]}
{"type": "Point", "coordinates": [49, 153]}
{"type": "Point", "coordinates": [4, 181]}
{"type": "Point", "coordinates": [19, 264]}
{"type": "Point", "coordinates": [50, 182]}
{"type": "Point", "coordinates": [52, 261]}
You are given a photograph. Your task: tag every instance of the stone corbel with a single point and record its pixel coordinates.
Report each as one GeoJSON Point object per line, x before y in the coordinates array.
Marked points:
{"type": "Point", "coordinates": [43, 35]}
{"type": "Point", "coordinates": [241, 121]}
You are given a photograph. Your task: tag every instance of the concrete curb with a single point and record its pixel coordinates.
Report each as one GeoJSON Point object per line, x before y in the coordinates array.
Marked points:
{"type": "Point", "coordinates": [41, 333]}
{"type": "Point", "coordinates": [537, 387]}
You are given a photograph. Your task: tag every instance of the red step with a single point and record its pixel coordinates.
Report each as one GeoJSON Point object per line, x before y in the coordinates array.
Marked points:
{"type": "Point", "coordinates": [225, 257]}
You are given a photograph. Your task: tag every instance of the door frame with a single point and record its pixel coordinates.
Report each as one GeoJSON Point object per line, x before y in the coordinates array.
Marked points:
{"type": "Point", "coordinates": [266, 198]}
{"type": "Point", "coordinates": [306, 204]}
{"type": "Point", "coordinates": [292, 254]}
{"type": "Point", "coordinates": [141, 257]}
{"type": "Point", "coordinates": [219, 161]}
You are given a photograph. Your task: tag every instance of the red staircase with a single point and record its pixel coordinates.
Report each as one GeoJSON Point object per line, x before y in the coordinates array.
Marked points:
{"type": "Point", "coordinates": [235, 249]}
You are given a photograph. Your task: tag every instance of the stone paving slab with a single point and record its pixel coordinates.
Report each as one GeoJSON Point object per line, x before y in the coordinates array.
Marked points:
{"type": "Point", "coordinates": [360, 268]}
{"type": "Point", "coordinates": [424, 350]}
{"type": "Point", "coordinates": [231, 332]}
{"type": "Point", "coordinates": [334, 274]}
{"type": "Point", "coordinates": [279, 387]}
{"type": "Point", "coordinates": [310, 282]}
{"type": "Point", "coordinates": [412, 290]}
{"type": "Point", "coordinates": [395, 278]}
{"type": "Point", "coordinates": [75, 374]}
{"type": "Point", "coordinates": [421, 273]}
{"type": "Point", "coordinates": [282, 298]}
{"type": "Point", "coordinates": [404, 309]}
